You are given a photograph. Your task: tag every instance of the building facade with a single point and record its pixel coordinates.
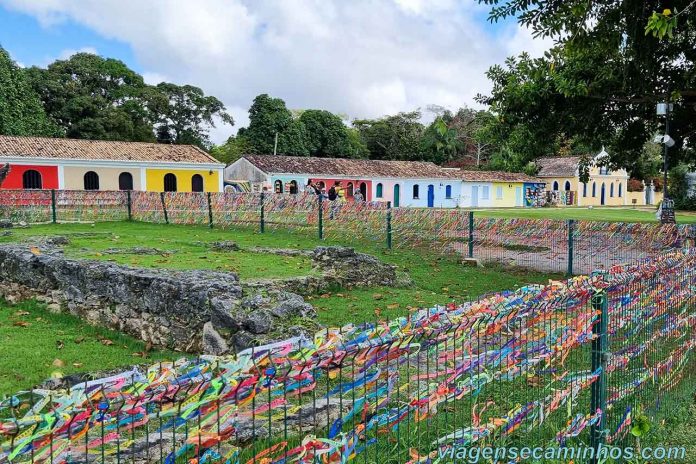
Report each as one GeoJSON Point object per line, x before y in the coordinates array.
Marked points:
{"type": "Point", "coordinates": [70, 164]}
{"type": "Point", "coordinates": [403, 183]}
{"type": "Point", "coordinates": [605, 187]}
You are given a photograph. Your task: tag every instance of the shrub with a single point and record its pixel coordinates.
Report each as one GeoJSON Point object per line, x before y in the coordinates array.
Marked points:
{"type": "Point", "coordinates": [635, 185]}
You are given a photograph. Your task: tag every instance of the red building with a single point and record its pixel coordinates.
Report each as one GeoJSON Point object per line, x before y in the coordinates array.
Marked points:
{"type": "Point", "coordinates": [28, 176]}
{"type": "Point", "coordinates": [349, 186]}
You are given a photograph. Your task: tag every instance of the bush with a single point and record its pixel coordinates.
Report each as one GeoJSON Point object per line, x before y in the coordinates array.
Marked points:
{"type": "Point", "coordinates": [635, 185]}
{"type": "Point", "coordinates": [657, 182]}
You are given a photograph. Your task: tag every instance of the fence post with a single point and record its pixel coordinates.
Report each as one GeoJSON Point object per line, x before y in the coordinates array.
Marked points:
{"type": "Point", "coordinates": [129, 205]}
{"type": "Point", "coordinates": [471, 234]}
{"type": "Point", "coordinates": [598, 399]}
{"type": "Point", "coordinates": [262, 222]}
{"type": "Point", "coordinates": [389, 225]}
{"type": "Point", "coordinates": [53, 206]}
{"type": "Point", "coordinates": [164, 207]}
{"type": "Point", "coordinates": [321, 218]}
{"type": "Point", "coordinates": [571, 243]}
{"type": "Point", "coordinates": [210, 211]}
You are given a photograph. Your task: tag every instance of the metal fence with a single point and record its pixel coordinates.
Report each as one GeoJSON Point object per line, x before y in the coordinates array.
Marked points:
{"type": "Point", "coordinates": [566, 366]}
{"type": "Point", "coordinates": [571, 247]}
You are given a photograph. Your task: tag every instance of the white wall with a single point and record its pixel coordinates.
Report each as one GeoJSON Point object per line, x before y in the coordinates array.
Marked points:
{"type": "Point", "coordinates": [476, 194]}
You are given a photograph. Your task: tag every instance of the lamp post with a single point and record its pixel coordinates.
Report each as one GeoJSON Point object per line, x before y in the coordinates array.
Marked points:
{"type": "Point", "coordinates": [667, 216]}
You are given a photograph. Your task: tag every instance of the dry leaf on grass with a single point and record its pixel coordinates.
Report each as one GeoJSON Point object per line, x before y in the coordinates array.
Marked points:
{"type": "Point", "coordinates": [106, 342]}
{"type": "Point", "coordinates": [377, 296]}
{"type": "Point", "coordinates": [35, 251]}
{"type": "Point", "coordinates": [77, 364]}
{"type": "Point", "coordinates": [21, 324]}
{"type": "Point", "coordinates": [393, 306]}
{"type": "Point", "coordinates": [79, 339]}
{"type": "Point", "coordinates": [58, 363]}
{"type": "Point", "coordinates": [22, 313]}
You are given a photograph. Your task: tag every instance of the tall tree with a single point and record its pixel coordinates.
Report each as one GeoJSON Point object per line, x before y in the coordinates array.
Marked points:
{"type": "Point", "coordinates": [599, 84]}
{"type": "Point", "coordinates": [21, 111]}
{"type": "Point", "coordinates": [327, 136]}
{"type": "Point", "coordinates": [397, 137]}
{"type": "Point", "coordinates": [92, 97]}
{"type": "Point", "coordinates": [268, 118]}
{"type": "Point", "coordinates": [183, 114]}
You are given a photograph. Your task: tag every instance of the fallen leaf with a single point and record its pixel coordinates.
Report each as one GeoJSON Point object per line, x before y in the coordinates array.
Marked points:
{"type": "Point", "coordinates": [325, 295]}
{"type": "Point", "coordinates": [21, 324]}
{"type": "Point", "coordinates": [393, 306]}
{"type": "Point", "coordinates": [22, 313]}
{"type": "Point", "coordinates": [35, 251]}
{"type": "Point", "coordinates": [58, 363]}
{"type": "Point", "coordinates": [106, 342]}
{"type": "Point", "coordinates": [79, 339]}
{"type": "Point", "coordinates": [60, 344]}
{"type": "Point", "coordinates": [377, 296]}
{"type": "Point", "coordinates": [77, 364]}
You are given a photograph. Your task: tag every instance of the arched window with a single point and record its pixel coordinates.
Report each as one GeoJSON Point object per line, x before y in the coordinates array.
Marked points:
{"type": "Point", "coordinates": [555, 186]}
{"type": "Point", "coordinates": [31, 179]}
{"type": "Point", "coordinates": [125, 181]}
{"type": "Point", "coordinates": [349, 189]}
{"type": "Point", "coordinates": [380, 190]}
{"type": "Point", "coordinates": [197, 183]}
{"type": "Point", "coordinates": [611, 190]}
{"type": "Point", "coordinates": [416, 190]}
{"type": "Point", "coordinates": [620, 190]}
{"type": "Point", "coordinates": [594, 189]}
{"type": "Point", "coordinates": [584, 189]}
{"type": "Point", "coordinates": [91, 180]}
{"type": "Point", "coordinates": [278, 186]}
{"type": "Point", "coordinates": [293, 186]}
{"type": "Point", "coordinates": [448, 191]}
{"type": "Point", "coordinates": [169, 182]}
{"type": "Point", "coordinates": [567, 186]}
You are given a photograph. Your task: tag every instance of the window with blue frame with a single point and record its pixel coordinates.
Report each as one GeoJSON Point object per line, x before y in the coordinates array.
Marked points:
{"type": "Point", "coordinates": [499, 193]}
{"type": "Point", "coordinates": [485, 193]}
{"type": "Point", "coordinates": [620, 190]}
{"type": "Point", "coordinates": [448, 191]}
{"type": "Point", "coordinates": [380, 191]}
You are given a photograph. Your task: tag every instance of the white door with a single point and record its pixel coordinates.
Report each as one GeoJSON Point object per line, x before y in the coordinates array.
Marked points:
{"type": "Point", "coordinates": [474, 196]}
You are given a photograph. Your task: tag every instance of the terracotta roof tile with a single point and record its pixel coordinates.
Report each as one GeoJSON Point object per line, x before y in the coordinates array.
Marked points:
{"type": "Point", "coordinates": [558, 166]}
{"type": "Point", "coordinates": [349, 167]}
{"type": "Point", "coordinates": [496, 176]}
{"type": "Point", "coordinates": [101, 150]}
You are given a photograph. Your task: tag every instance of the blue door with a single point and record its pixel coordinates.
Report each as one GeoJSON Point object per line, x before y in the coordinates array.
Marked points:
{"type": "Point", "coordinates": [518, 196]}
{"type": "Point", "coordinates": [397, 194]}
{"type": "Point", "coordinates": [431, 196]}
{"type": "Point", "coordinates": [603, 193]}
{"type": "Point", "coordinates": [474, 196]}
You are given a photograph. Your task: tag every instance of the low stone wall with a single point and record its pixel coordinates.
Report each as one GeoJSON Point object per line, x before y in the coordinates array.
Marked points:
{"type": "Point", "coordinates": [190, 311]}
{"type": "Point", "coordinates": [334, 267]}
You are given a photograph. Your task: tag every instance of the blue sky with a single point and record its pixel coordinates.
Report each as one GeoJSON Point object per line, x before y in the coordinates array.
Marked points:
{"type": "Point", "coordinates": [360, 59]}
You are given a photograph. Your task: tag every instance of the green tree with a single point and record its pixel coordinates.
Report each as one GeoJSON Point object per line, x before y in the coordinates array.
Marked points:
{"type": "Point", "coordinates": [92, 97]}
{"type": "Point", "coordinates": [440, 142]}
{"type": "Point", "coordinates": [327, 136]}
{"type": "Point", "coordinates": [269, 116]}
{"type": "Point", "coordinates": [397, 137]}
{"type": "Point", "coordinates": [183, 114]}
{"type": "Point", "coordinates": [21, 111]}
{"type": "Point", "coordinates": [598, 86]}
{"type": "Point", "coordinates": [233, 149]}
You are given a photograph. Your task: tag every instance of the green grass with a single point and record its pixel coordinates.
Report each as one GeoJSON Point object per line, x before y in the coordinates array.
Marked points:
{"type": "Point", "coordinates": [37, 344]}
{"type": "Point", "coordinates": [437, 279]}
{"type": "Point", "coordinates": [603, 214]}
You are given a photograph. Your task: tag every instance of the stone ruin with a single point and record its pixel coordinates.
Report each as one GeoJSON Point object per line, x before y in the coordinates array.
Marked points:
{"type": "Point", "coordinates": [192, 311]}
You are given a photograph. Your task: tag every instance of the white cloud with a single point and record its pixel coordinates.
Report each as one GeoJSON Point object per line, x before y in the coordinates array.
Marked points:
{"type": "Point", "coordinates": [68, 52]}
{"type": "Point", "coordinates": [361, 58]}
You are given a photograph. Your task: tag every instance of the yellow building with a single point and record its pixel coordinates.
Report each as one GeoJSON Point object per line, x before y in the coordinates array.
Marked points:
{"type": "Point", "coordinates": [498, 189]}
{"type": "Point", "coordinates": [605, 187]}
{"type": "Point", "coordinates": [72, 164]}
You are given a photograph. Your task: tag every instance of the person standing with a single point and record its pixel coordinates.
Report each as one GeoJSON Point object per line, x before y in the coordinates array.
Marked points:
{"type": "Point", "coordinates": [333, 198]}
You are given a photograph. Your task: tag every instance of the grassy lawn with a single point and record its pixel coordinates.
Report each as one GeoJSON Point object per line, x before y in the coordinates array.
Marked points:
{"type": "Point", "coordinates": [604, 214]}
{"type": "Point", "coordinates": [437, 279]}
{"type": "Point", "coordinates": [45, 344]}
